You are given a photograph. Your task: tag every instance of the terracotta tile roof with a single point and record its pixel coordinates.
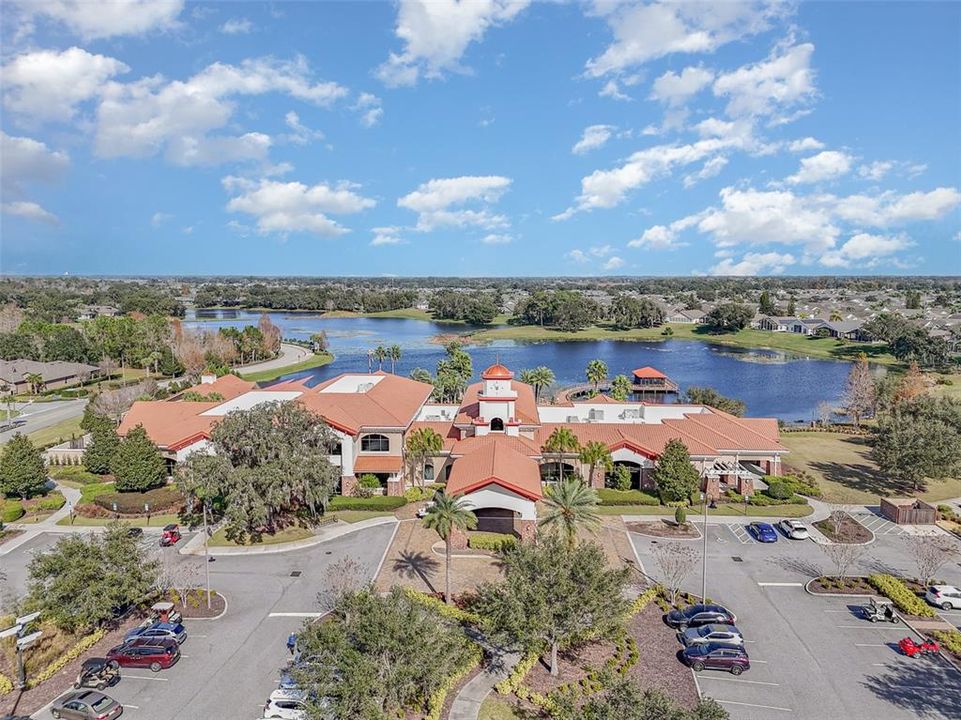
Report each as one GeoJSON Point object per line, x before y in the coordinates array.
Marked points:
{"type": "Point", "coordinates": [740, 434]}
{"type": "Point", "coordinates": [378, 464]}
{"type": "Point", "coordinates": [497, 372]}
{"type": "Point", "coordinates": [169, 423]}
{"type": "Point", "coordinates": [446, 430]}
{"type": "Point", "coordinates": [495, 463]}
{"type": "Point", "coordinates": [518, 443]}
{"type": "Point", "coordinates": [392, 402]}
{"type": "Point", "coordinates": [648, 372]}
{"type": "Point", "coordinates": [229, 386]}
{"type": "Point", "coordinates": [524, 406]}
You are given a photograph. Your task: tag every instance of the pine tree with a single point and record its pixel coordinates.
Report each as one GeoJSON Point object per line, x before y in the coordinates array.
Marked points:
{"type": "Point", "coordinates": [103, 446]}
{"type": "Point", "coordinates": [22, 471]}
{"type": "Point", "coordinates": [674, 475]}
{"type": "Point", "coordinates": [137, 464]}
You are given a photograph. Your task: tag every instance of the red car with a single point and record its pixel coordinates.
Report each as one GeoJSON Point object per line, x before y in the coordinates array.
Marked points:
{"type": "Point", "coordinates": [154, 653]}
{"type": "Point", "coordinates": [170, 535]}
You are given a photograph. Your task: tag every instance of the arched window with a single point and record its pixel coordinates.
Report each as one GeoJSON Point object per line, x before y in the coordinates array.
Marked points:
{"type": "Point", "coordinates": [428, 472]}
{"type": "Point", "coordinates": [374, 443]}
{"type": "Point", "coordinates": [497, 425]}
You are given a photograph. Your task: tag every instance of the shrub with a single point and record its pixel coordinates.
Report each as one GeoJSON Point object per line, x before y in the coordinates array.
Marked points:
{"type": "Point", "coordinates": [368, 481]}
{"type": "Point", "coordinates": [608, 496]}
{"type": "Point", "coordinates": [73, 653]}
{"type": "Point", "coordinates": [680, 516]}
{"type": "Point", "coordinates": [779, 490]}
{"type": "Point", "coordinates": [90, 492]}
{"type": "Point", "coordinates": [899, 593]}
{"type": "Point", "coordinates": [451, 612]}
{"type": "Point", "coordinates": [763, 500]}
{"type": "Point", "coordinates": [950, 640]}
{"type": "Point", "coordinates": [11, 511]}
{"type": "Point", "coordinates": [435, 704]}
{"type": "Point", "coordinates": [160, 500]}
{"type": "Point", "coordinates": [380, 502]}
{"type": "Point", "coordinates": [512, 683]}
{"type": "Point", "coordinates": [496, 542]}
{"type": "Point", "coordinates": [6, 685]}
{"type": "Point", "coordinates": [416, 494]}
{"type": "Point", "coordinates": [52, 502]}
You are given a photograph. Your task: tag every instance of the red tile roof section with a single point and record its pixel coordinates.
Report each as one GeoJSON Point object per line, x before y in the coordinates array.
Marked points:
{"type": "Point", "coordinates": [229, 386]}
{"type": "Point", "coordinates": [378, 463]}
{"type": "Point", "coordinates": [495, 463]}
{"type": "Point", "coordinates": [169, 423]}
{"type": "Point", "coordinates": [648, 372]}
{"type": "Point", "coordinates": [393, 402]}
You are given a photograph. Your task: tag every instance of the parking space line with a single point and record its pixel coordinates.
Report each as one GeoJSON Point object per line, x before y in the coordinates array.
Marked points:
{"type": "Point", "coordinates": [896, 628]}
{"type": "Point", "coordinates": [780, 584]}
{"type": "Point", "coordinates": [869, 645]}
{"type": "Point", "coordinates": [131, 707]}
{"type": "Point", "coordinates": [144, 677]}
{"type": "Point", "coordinates": [763, 707]}
{"type": "Point", "coordinates": [296, 614]}
{"type": "Point", "coordinates": [738, 680]}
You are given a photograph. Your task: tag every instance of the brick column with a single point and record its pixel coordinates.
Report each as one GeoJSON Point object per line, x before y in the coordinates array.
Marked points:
{"type": "Point", "coordinates": [712, 488]}
{"type": "Point", "coordinates": [527, 529]}
{"type": "Point", "coordinates": [395, 487]}
{"type": "Point", "coordinates": [458, 539]}
{"type": "Point", "coordinates": [348, 485]}
{"type": "Point", "coordinates": [745, 485]}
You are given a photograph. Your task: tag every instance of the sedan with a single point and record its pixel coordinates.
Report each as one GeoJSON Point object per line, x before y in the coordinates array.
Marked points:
{"type": "Point", "coordinates": [286, 704]}
{"type": "Point", "coordinates": [164, 631]}
{"type": "Point", "coordinates": [711, 633]}
{"type": "Point", "coordinates": [697, 615]}
{"type": "Point", "coordinates": [86, 705]}
{"type": "Point", "coordinates": [716, 656]}
{"type": "Point", "coordinates": [944, 596]}
{"type": "Point", "coordinates": [762, 532]}
{"type": "Point", "coordinates": [793, 529]}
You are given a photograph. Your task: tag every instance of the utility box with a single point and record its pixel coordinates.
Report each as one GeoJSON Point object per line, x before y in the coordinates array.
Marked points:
{"type": "Point", "coordinates": [908, 511]}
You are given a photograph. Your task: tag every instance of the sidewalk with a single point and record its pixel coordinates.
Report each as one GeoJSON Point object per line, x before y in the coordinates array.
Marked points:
{"type": "Point", "coordinates": [31, 530]}
{"type": "Point", "coordinates": [467, 704]}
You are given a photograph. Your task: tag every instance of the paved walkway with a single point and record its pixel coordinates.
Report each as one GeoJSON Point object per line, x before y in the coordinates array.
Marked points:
{"type": "Point", "coordinates": [31, 530]}
{"type": "Point", "coordinates": [289, 355]}
{"type": "Point", "coordinates": [467, 704]}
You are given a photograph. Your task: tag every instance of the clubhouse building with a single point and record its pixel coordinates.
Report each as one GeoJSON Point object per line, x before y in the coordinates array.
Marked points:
{"type": "Point", "coordinates": [492, 441]}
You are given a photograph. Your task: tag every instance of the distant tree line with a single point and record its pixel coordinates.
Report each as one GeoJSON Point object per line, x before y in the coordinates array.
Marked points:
{"type": "Point", "coordinates": [354, 297]}
{"type": "Point", "coordinates": [908, 342]}
{"type": "Point", "coordinates": [57, 300]}
{"type": "Point", "coordinates": [472, 308]}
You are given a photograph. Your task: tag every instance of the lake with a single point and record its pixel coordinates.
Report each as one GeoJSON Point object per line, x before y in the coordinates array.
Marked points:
{"type": "Point", "coordinates": [771, 382]}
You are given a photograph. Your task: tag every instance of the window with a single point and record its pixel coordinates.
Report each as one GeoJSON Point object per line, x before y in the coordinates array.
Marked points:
{"type": "Point", "coordinates": [374, 443]}
{"type": "Point", "coordinates": [429, 472]}
{"type": "Point", "coordinates": [497, 425]}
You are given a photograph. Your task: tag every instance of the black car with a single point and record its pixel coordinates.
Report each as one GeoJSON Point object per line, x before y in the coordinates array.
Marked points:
{"type": "Point", "coordinates": [697, 615]}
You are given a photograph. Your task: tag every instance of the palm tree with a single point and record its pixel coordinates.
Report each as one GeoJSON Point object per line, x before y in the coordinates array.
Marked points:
{"type": "Point", "coordinates": [394, 353]}
{"type": "Point", "coordinates": [561, 441]}
{"type": "Point", "coordinates": [380, 354]}
{"type": "Point", "coordinates": [571, 505]}
{"type": "Point", "coordinates": [593, 454]}
{"type": "Point", "coordinates": [447, 514]}
{"type": "Point", "coordinates": [835, 316]}
{"type": "Point", "coordinates": [421, 444]}
{"type": "Point", "coordinates": [35, 381]}
{"type": "Point", "coordinates": [539, 377]}
{"type": "Point", "coordinates": [620, 387]}
{"type": "Point", "coordinates": [596, 373]}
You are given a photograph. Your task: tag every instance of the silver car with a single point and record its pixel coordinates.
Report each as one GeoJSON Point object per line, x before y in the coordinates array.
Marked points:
{"type": "Point", "coordinates": [715, 633]}
{"type": "Point", "coordinates": [86, 705]}
{"type": "Point", "coordinates": [793, 529]}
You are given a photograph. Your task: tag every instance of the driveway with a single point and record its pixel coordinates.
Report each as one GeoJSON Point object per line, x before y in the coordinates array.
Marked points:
{"type": "Point", "coordinates": [289, 355]}
{"type": "Point", "coordinates": [813, 657]}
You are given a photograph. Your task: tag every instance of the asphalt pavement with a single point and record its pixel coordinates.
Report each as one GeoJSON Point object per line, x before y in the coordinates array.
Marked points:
{"type": "Point", "coordinates": [40, 415]}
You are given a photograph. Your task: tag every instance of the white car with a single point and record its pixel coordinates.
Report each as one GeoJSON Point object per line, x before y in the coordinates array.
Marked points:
{"type": "Point", "coordinates": [945, 597]}
{"type": "Point", "coordinates": [422, 512]}
{"type": "Point", "coordinates": [286, 704]}
{"type": "Point", "coordinates": [793, 529]}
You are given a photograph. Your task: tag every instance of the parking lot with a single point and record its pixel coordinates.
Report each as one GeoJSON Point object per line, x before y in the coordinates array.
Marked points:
{"type": "Point", "coordinates": [813, 657]}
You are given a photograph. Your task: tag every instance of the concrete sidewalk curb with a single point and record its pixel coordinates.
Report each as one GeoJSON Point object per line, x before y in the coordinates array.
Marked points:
{"type": "Point", "coordinates": [195, 545]}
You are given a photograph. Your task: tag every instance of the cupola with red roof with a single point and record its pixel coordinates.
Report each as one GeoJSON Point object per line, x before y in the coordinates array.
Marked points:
{"type": "Point", "coordinates": [497, 372]}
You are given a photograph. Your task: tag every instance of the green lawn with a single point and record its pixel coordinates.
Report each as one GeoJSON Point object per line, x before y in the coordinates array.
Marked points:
{"type": "Point", "coordinates": [155, 521]}
{"type": "Point", "coordinates": [497, 708]}
{"type": "Point", "coordinates": [291, 534]}
{"type": "Point", "coordinates": [58, 433]}
{"type": "Point", "coordinates": [352, 516]}
{"type": "Point", "coordinates": [313, 361]}
{"type": "Point", "coordinates": [847, 474]}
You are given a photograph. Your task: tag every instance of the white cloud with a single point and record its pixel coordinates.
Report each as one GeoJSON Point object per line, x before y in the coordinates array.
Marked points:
{"type": "Point", "coordinates": [601, 250]}
{"type": "Point", "coordinates": [386, 236]}
{"type": "Point", "coordinates": [151, 115]}
{"type": "Point", "coordinates": [755, 264]}
{"type": "Point", "coordinates": [783, 80]}
{"type": "Point", "coordinates": [578, 256]}
{"type": "Point", "coordinates": [664, 237]}
{"type": "Point", "coordinates": [369, 106]}
{"type": "Point", "coordinates": [594, 137]}
{"type": "Point", "coordinates": [283, 207]}
{"type": "Point", "coordinates": [301, 134]}
{"type": "Point", "coordinates": [48, 85]}
{"type": "Point", "coordinates": [613, 263]}
{"type": "Point", "coordinates": [675, 89]}
{"type": "Point", "coordinates": [710, 169]}
{"type": "Point", "coordinates": [866, 250]}
{"type": "Point", "coordinates": [438, 202]}
{"type": "Point", "coordinates": [237, 26]}
{"type": "Point", "coordinates": [29, 210]}
{"type": "Point", "coordinates": [497, 239]}
{"type": "Point", "coordinates": [612, 90]}
{"type": "Point", "coordinates": [875, 170]}
{"type": "Point", "coordinates": [646, 31]}
{"type": "Point", "coordinates": [24, 161]}
{"type": "Point", "coordinates": [94, 19]}
{"type": "Point", "coordinates": [890, 208]}
{"type": "Point", "coordinates": [825, 165]}
{"type": "Point", "coordinates": [436, 34]}
{"type": "Point", "coordinates": [805, 145]}
{"type": "Point", "coordinates": [159, 218]}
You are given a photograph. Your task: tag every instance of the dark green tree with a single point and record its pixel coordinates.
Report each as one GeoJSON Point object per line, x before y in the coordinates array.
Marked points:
{"type": "Point", "coordinates": [99, 454]}
{"type": "Point", "coordinates": [137, 465]}
{"type": "Point", "coordinates": [765, 304]}
{"type": "Point", "coordinates": [674, 475]}
{"type": "Point", "coordinates": [712, 398]}
{"type": "Point", "coordinates": [729, 317]}
{"type": "Point", "coordinates": [919, 439]}
{"type": "Point", "coordinates": [22, 470]}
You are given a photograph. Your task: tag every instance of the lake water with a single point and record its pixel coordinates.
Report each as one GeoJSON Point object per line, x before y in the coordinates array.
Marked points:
{"type": "Point", "coordinates": [772, 383]}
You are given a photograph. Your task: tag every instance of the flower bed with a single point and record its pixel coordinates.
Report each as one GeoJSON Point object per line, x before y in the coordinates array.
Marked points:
{"type": "Point", "coordinates": [665, 529]}
{"type": "Point", "coordinates": [161, 500]}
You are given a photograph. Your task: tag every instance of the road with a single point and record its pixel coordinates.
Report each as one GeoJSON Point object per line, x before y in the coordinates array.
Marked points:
{"type": "Point", "coordinates": [289, 355]}
{"type": "Point", "coordinates": [42, 415]}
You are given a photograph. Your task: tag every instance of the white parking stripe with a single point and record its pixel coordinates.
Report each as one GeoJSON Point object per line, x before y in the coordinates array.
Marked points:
{"type": "Point", "coordinates": [738, 680]}
{"type": "Point", "coordinates": [869, 645]}
{"type": "Point", "coordinates": [297, 614]}
{"type": "Point", "coordinates": [781, 584]}
{"type": "Point", "coordinates": [764, 707]}
{"type": "Point", "coordinates": [131, 707]}
{"type": "Point", "coordinates": [144, 677]}
{"type": "Point", "coordinates": [898, 628]}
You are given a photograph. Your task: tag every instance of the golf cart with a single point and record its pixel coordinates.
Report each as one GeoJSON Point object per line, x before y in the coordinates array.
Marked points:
{"type": "Point", "coordinates": [880, 610]}
{"type": "Point", "coordinates": [97, 673]}
{"type": "Point", "coordinates": [170, 535]}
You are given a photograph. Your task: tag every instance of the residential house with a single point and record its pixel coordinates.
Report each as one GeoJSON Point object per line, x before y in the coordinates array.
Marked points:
{"type": "Point", "coordinates": [15, 374]}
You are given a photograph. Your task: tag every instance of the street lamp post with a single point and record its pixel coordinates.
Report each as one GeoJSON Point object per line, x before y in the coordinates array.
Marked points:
{"type": "Point", "coordinates": [704, 551]}
{"type": "Point", "coordinates": [23, 642]}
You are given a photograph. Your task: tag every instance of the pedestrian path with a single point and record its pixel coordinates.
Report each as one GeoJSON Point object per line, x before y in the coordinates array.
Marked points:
{"type": "Point", "coordinates": [467, 704]}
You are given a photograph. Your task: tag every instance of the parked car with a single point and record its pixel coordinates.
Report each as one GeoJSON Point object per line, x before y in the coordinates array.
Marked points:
{"type": "Point", "coordinates": [422, 511]}
{"type": "Point", "coordinates": [716, 656]}
{"type": "Point", "coordinates": [159, 630]}
{"type": "Point", "coordinates": [711, 633]}
{"type": "Point", "coordinates": [945, 597]}
{"type": "Point", "coordinates": [762, 532]}
{"type": "Point", "coordinates": [154, 653]}
{"type": "Point", "coordinates": [697, 615]}
{"type": "Point", "coordinates": [794, 529]}
{"type": "Point", "coordinates": [170, 535]}
{"type": "Point", "coordinates": [135, 532]}
{"type": "Point", "coordinates": [287, 704]}
{"type": "Point", "coordinates": [86, 705]}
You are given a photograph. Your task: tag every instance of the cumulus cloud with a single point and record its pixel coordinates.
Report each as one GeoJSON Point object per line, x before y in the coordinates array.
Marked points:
{"type": "Point", "coordinates": [594, 137]}
{"type": "Point", "coordinates": [613, 263]}
{"type": "Point", "coordinates": [825, 165]}
{"type": "Point", "coordinates": [370, 109]}
{"type": "Point", "coordinates": [237, 26]}
{"type": "Point", "coordinates": [436, 34]}
{"type": "Point", "coordinates": [28, 210]}
{"type": "Point", "coordinates": [784, 80]}
{"type": "Point", "coordinates": [95, 19]}
{"type": "Point", "coordinates": [663, 237]}
{"type": "Point", "coordinates": [710, 169]}
{"type": "Point", "coordinates": [805, 145]}
{"type": "Point", "coordinates": [285, 207]}
{"type": "Point", "coordinates": [755, 264]}
{"type": "Point", "coordinates": [677, 89]}
{"type": "Point", "coordinates": [300, 134]}
{"type": "Point", "coordinates": [578, 256]}
{"type": "Point", "coordinates": [439, 202]}
{"type": "Point", "coordinates": [25, 162]}
{"type": "Point", "coordinates": [497, 239]}
{"type": "Point", "coordinates": [386, 236]}
{"type": "Point", "coordinates": [646, 31]}
{"type": "Point", "coordinates": [866, 250]}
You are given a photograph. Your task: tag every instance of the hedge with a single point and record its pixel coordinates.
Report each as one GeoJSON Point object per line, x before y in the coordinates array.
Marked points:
{"type": "Point", "coordinates": [11, 510]}
{"type": "Point", "coordinates": [950, 640]}
{"type": "Point", "coordinates": [378, 502]}
{"type": "Point", "coordinates": [160, 500]}
{"type": "Point", "coordinates": [74, 473]}
{"type": "Point", "coordinates": [901, 595]}
{"type": "Point", "coordinates": [435, 704]}
{"type": "Point", "coordinates": [51, 502]}
{"type": "Point", "coordinates": [451, 612]}
{"type": "Point", "coordinates": [496, 542]}
{"type": "Point", "coordinates": [802, 484]}
{"type": "Point", "coordinates": [513, 681]}
{"type": "Point", "coordinates": [78, 649]}
{"type": "Point", "coordinates": [608, 496]}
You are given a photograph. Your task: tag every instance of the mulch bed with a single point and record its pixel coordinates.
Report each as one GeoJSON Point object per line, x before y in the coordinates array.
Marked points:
{"type": "Point", "coordinates": [573, 666]}
{"type": "Point", "coordinates": [659, 667]}
{"type": "Point", "coordinates": [664, 529]}
{"type": "Point", "coordinates": [849, 586]}
{"type": "Point", "coordinates": [849, 531]}
{"type": "Point", "coordinates": [196, 607]}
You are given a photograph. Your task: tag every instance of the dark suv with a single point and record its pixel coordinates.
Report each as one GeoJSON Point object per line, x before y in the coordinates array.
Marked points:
{"type": "Point", "coordinates": [697, 615]}
{"type": "Point", "coordinates": [716, 656]}
{"type": "Point", "coordinates": [153, 653]}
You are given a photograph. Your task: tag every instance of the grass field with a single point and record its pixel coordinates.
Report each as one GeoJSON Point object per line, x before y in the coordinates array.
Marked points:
{"type": "Point", "coordinates": [314, 361]}
{"type": "Point", "coordinates": [847, 474]}
{"type": "Point", "coordinates": [57, 433]}
{"type": "Point", "coordinates": [291, 534]}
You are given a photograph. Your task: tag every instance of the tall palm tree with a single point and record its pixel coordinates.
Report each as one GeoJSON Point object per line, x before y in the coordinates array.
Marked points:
{"type": "Point", "coordinates": [380, 354]}
{"type": "Point", "coordinates": [447, 514]}
{"type": "Point", "coordinates": [596, 373]}
{"type": "Point", "coordinates": [835, 316]}
{"type": "Point", "coordinates": [620, 387]}
{"type": "Point", "coordinates": [571, 505]}
{"type": "Point", "coordinates": [539, 377]}
{"type": "Point", "coordinates": [593, 454]}
{"type": "Point", "coordinates": [394, 353]}
{"type": "Point", "coordinates": [35, 381]}
{"type": "Point", "coordinates": [562, 441]}
{"type": "Point", "coordinates": [421, 444]}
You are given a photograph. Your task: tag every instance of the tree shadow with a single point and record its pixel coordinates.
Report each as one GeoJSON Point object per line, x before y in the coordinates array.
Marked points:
{"type": "Point", "coordinates": [928, 687]}
{"type": "Point", "coordinates": [808, 568]}
{"type": "Point", "coordinates": [417, 565]}
{"type": "Point", "coordinates": [862, 476]}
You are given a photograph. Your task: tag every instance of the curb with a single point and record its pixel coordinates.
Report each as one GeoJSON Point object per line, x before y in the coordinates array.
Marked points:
{"type": "Point", "coordinates": [808, 590]}
{"type": "Point", "coordinates": [215, 617]}
{"type": "Point", "coordinates": [692, 523]}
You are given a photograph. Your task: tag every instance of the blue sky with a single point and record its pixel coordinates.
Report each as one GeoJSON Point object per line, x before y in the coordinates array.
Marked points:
{"type": "Point", "coordinates": [496, 137]}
